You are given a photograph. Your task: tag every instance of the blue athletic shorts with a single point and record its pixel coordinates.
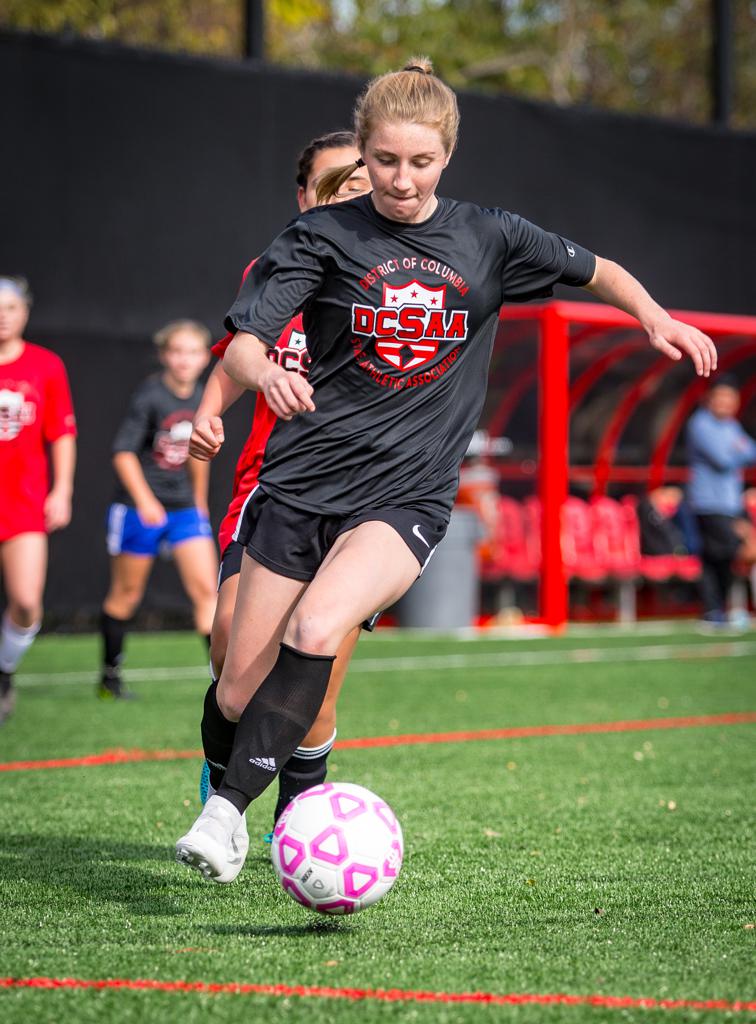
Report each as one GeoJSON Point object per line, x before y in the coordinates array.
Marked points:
{"type": "Point", "coordinates": [127, 534]}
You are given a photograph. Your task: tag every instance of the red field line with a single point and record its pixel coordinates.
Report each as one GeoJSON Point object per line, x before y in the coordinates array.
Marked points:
{"type": "Point", "coordinates": [394, 995]}
{"type": "Point", "coordinates": [525, 731]}
{"type": "Point", "coordinates": [516, 732]}
{"type": "Point", "coordinates": [118, 756]}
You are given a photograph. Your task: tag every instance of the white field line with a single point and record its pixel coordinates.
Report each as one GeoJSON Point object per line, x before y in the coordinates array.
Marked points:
{"type": "Point", "coordinates": [529, 631]}
{"type": "Point", "coordinates": [451, 662]}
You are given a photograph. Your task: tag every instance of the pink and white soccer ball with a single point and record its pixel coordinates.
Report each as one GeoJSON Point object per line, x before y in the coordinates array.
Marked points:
{"type": "Point", "coordinates": [337, 848]}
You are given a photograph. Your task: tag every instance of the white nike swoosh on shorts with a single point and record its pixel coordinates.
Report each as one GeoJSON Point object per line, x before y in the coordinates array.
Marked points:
{"type": "Point", "coordinates": [416, 531]}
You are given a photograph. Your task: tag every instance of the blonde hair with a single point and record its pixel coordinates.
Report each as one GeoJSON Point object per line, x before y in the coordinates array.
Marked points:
{"type": "Point", "coordinates": [164, 335]}
{"type": "Point", "coordinates": [413, 95]}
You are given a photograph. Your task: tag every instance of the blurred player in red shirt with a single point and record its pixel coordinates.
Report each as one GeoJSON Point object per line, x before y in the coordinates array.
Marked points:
{"type": "Point", "coordinates": [36, 420]}
{"type": "Point", "coordinates": [308, 765]}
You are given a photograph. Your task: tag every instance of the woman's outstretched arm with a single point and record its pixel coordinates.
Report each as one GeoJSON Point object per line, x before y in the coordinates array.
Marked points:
{"type": "Point", "coordinates": [613, 284]}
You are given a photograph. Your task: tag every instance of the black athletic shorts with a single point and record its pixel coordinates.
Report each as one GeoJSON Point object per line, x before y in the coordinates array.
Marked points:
{"type": "Point", "coordinates": [231, 562]}
{"type": "Point", "coordinates": [293, 542]}
{"type": "Point", "coordinates": [719, 541]}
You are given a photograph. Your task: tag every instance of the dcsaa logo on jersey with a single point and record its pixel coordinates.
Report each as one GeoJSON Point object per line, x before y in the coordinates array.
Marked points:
{"type": "Point", "coordinates": [292, 353]}
{"type": "Point", "coordinates": [15, 413]}
{"type": "Point", "coordinates": [410, 324]}
{"type": "Point", "coordinates": [171, 444]}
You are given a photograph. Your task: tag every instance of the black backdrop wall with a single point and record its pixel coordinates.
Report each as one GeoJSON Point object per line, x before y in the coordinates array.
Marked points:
{"type": "Point", "coordinates": [136, 187]}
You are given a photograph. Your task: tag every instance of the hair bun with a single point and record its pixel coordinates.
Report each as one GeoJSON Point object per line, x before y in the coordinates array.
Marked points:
{"type": "Point", "coordinates": [420, 64]}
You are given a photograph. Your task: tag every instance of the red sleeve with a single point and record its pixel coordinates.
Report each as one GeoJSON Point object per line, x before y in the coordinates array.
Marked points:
{"type": "Point", "coordinates": [58, 416]}
{"type": "Point", "coordinates": [219, 348]}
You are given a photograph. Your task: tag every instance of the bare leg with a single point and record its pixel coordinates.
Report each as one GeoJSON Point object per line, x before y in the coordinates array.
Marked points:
{"type": "Point", "coordinates": [197, 564]}
{"type": "Point", "coordinates": [366, 570]}
{"type": "Point", "coordinates": [221, 631]}
{"type": "Point", "coordinates": [23, 560]}
{"type": "Point", "coordinates": [24, 567]}
{"type": "Point", "coordinates": [264, 603]}
{"type": "Point", "coordinates": [325, 724]}
{"type": "Point", "coordinates": [128, 581]}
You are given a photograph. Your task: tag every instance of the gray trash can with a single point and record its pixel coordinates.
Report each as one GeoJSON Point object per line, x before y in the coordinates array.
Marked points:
{"type": "Point", "coordinates": [447, 595]}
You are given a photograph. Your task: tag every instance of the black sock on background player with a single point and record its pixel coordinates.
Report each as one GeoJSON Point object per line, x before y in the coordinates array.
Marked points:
{"type": "Point", "coordinates": [113, 632]}
{"type": "Point", "coordinates": [306, 767]}
{"type": "Point", "coordinates": [217, 736]}
{"type": "Point", "coordinates": [274, 723]}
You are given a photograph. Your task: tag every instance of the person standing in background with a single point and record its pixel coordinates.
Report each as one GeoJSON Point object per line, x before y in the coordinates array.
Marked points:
{"type": "Point", "coordinates": [718, 449]}
{"type": "Point", "coordinates": [161, 496]}
{"type": "Point", "coordinates": [36, 419]}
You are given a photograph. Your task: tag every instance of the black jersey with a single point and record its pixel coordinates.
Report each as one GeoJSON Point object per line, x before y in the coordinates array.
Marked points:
{"type": "Point", "coordinates": [400, 320]}
{"type": "Point", "coordinates": [157, 429]}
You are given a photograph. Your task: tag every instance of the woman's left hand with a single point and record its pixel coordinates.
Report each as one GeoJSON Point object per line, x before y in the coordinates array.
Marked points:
{"type": "Point", "coordinates": [673, 338]}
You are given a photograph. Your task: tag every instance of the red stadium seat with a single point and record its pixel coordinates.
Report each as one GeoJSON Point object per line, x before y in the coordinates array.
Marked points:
{"type": "Point", "coordinates": [531, 510]}
{"type": "Point", "coordinates": [600, 545]}
{"type": "Point", "coordinates": [659, 568]}
{"type": "Point", "coordinates": [578, 550]}
{"type": "Point", "coordinates": [615, 538]}
{"type": "Point", "coordinates": [511, 558]}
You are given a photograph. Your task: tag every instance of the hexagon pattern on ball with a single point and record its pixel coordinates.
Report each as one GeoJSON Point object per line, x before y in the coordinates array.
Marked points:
{"type": "Point", "coordinates": [337, 848]}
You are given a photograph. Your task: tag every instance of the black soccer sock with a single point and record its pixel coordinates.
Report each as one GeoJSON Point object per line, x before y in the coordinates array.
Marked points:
{"type": "Point", "coordinates": [305, 768]}
{"type": "Point", "coordinates": [716, 578]}
{"type": "Point", "coordinates": [113, 635]}
{"type": "Point", "coordinates": [725, 576]}
{"type": "Point", "coordinates": [217, 736]}
{"type": "Point", "coordinates": [275, 722]}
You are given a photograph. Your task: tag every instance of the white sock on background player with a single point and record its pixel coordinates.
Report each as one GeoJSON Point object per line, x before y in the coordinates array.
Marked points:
{"type": "Point", "coordinates": [15, 641]}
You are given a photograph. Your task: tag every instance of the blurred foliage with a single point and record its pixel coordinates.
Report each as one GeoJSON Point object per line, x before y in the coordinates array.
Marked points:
{"type": "Point", "coordinates": [644, 56]}
{"type": "Point", "coordinates": [193, 26]}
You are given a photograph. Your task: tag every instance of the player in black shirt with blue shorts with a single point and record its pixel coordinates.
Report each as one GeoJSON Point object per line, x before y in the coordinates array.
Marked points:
{"type": "Point", "coordinates": [161, 496]}
{"type": "Point", "coordinates": [400, 292]}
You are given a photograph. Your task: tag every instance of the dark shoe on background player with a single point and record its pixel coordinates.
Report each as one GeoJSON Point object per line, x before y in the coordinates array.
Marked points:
{"type": "Point", "coordinates": [7, 696]}
{"type": "Point", "coordinates": [714, 621]}
{"type": "Point", "coordinates": [110, 686]}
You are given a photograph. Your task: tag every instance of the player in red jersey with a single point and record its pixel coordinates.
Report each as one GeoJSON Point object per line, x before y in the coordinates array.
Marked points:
{"type": "Point", "coordinates": [308, 765]}
{"type": "Point", "coordinates": [36, 419]}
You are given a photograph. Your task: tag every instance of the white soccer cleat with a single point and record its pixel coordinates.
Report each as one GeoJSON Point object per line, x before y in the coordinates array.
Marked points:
{"type": "Point", "coordinates": [217, 843]}
{"type": "Point", "coordinates": [206, 790]}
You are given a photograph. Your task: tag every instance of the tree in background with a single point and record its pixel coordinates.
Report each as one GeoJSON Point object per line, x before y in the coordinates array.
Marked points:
{"type": "Point", "coordinates": [192, 26]}
{"type": "Point", "coordinates": [640, 56]}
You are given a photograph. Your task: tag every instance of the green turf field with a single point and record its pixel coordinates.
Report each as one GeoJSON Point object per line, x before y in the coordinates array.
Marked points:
{"type": "Point", "coordinates": [611, 864]}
